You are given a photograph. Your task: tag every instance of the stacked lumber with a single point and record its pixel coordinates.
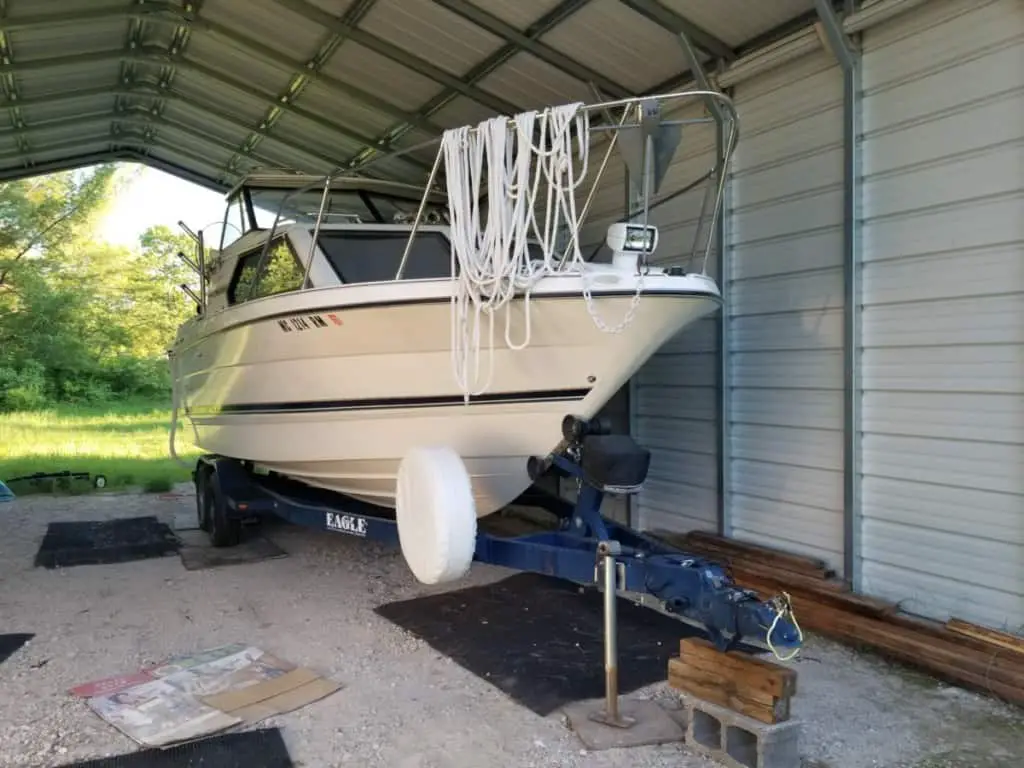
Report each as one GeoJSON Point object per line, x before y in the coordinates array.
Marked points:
{"type": "Point", "coordinates": [957, 652]}
{"type": "Point", "coordinates": [743, 683]}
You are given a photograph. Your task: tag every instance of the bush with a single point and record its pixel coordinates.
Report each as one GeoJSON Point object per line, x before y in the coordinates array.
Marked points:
{"type": "Point", "coordinates": [23, 388]}
{"type": "Point", "coordinates": [137, 377]}
{"type": "Point", "coordinates": [158, 485]}
{"type": "Point", "coordinates": [30, 386]}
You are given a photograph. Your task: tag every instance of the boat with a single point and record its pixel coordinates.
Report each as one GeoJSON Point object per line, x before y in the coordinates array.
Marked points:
{"type": "Point", "coordinates": [343, 320]}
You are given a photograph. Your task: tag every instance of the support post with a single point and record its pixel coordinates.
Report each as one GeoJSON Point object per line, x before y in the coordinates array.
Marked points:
{"type": "Point", "coordinates": [722, 275]}
{"type": "Point", "coordinates": [611, 715]}
{"type": "Point", "coordinates": [723, 373]}
{"type": "Point", "coordinates": [847, 53]}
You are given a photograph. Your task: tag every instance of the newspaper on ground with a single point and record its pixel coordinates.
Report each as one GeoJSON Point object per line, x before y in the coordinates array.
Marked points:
{"type": "Point", "coordinates": [194, 695]}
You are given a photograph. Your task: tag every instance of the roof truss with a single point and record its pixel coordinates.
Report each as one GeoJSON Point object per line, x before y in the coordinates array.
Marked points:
{"type": "Point", "coordinates": [167, 97]}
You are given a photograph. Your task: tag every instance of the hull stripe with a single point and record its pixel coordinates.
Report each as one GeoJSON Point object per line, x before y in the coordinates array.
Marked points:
{"type": "Point", "coordinates": [392, 403]}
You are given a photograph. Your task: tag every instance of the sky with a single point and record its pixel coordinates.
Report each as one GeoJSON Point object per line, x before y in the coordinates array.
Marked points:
{"type": "Point", "coordinates": [155, 197]}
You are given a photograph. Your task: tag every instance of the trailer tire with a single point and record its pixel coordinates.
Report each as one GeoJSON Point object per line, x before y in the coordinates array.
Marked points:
{"type": "Point", "coordinates": [436, 514]}
{"type": "Point", "coordinates": [202, 508]}
{"type": "Point", "coordinates": [225, 531]}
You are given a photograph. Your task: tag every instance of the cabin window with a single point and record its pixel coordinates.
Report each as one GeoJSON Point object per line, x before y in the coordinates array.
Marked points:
{"type": "Point", "coordinates": [373, 256]}
{"type": "Point", "coordinates": [281, 273]}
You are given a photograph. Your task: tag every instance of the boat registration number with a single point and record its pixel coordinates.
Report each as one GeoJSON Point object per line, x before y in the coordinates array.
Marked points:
{"type": "Point", "coordinates": [308, 322]}
{"type": "Point", "coordinates": [353, 525]}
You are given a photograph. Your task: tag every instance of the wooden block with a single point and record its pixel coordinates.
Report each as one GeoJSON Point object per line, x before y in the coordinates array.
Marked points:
{"type": "Point", "coordinates": [748, 673]}
{"type": "Point", "coordinates": [718, 689]}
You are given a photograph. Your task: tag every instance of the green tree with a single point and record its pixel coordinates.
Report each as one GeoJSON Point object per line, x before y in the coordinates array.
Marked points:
{"type": "Point", "coordinates": [81, 319]}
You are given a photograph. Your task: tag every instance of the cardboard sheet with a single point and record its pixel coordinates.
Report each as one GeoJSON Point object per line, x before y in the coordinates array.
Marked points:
{"type": "Point", "coordinates": [191, 696]}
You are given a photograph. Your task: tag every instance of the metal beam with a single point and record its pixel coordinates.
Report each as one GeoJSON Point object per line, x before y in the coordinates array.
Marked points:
{"type": "Point", "coordinates": [543, 25]}
{"type": "Point", "coordinates": [843, 48]}
{"type": "Point", "coordinates": [139, 10]}
{"type": "Point", "coordinates": [286, 63]}
{"type": "Point", "coordinates": [142, 144]}
{"type": "Point", "coordinates": [524, 41]}
{"type": "Point", "coordinates": [113, 135]}
{"type": "Point", "coordinates": [847, 53]}
{"type": "Point", "coordinates": [395, 53]}
{"type": "Point", "coordinates": [72, 162]}
{"type": "Point", "coordinates": [140, 117]}
{"type": "Point", "coordinates": [723, 405]}
{"type": "Point", "coordinates": [157, 56]}
{"type": "Point", "coordinates": [700, 77]}
{"type": "Point", "coordinates": [8, 83]}
{"type": "Point", "coordinates": [149, 89]}
{"type": "Point", "coordinates": [126, 146]}
{"type": "Point", "coordinates": [178, 170]}
{"type": "Point", "coordinates": [160, 11]}
{"type": "Point", "coordinates": [181, 35]}
{"type": "Point", "coordinates": [300, 80]}
{"type": "Point", "coordinates": [673, 22]}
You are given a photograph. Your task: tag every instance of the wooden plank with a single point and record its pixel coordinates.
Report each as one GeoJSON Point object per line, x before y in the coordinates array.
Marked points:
{"type": "Point", "coordinates": [713, 688]}
{"type": "Point", "coordinates": [748, 673]}
{"type": "Point", "coordinates": [899, 638]}
{"type": "Point", "coordinates": [1003, 640]}
{"type": "Point", "coordinates": [809, 566]}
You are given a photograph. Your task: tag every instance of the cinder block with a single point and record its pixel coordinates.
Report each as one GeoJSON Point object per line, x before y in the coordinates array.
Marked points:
{"type": "Point", "coordinates": [739, 741]}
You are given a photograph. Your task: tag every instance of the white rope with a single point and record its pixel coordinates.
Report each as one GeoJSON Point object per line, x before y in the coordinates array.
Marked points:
{"type": "Point", "coordinates": [490, 248]}
{"type": "Point", "coordinates": [783, 606]}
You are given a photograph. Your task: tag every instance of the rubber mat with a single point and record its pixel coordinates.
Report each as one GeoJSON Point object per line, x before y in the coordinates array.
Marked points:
{"type": "Point", "coordinates": [262, 748]}
{"type": "Point", "coordinates": [539, 640]}
{"type": "Point", "coordinates": [12, 643]}
{"type": "Point", "coordinates": [100, 542]}
{"type": "Point", "coordinates": [197, 553]}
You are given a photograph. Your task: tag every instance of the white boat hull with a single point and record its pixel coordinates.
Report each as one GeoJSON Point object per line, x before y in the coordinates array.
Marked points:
{"type": "Point", "coordinates": [333, 386]}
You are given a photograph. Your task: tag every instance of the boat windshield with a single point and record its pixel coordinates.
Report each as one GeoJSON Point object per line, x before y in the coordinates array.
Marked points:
{"type": "Point", "coordinates": [373, 255]}
{"type": "Point", "coordinates": [257, 202]}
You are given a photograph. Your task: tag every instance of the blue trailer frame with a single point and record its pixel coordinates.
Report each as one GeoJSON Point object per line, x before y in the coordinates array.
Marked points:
{"type": "Point", "coordinates": [689, 587]}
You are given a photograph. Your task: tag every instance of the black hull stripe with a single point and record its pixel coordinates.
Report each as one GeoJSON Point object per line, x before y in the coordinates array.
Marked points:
{"type": "Point", "coordinates": [381, 304]}
{"type": "Point", "coordinates": [393, 403]}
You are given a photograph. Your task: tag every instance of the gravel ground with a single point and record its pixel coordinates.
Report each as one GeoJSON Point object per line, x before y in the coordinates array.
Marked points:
{"type": "Point", "coordinates": [402, 705]}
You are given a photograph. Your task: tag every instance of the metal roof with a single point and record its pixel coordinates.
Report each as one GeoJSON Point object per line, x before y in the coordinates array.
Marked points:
{"type": "Point", "coordinates": [211, 89]}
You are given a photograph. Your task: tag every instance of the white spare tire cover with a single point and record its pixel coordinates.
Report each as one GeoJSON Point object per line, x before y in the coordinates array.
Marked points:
{"type": "Point", "coordinates": [436, 514]}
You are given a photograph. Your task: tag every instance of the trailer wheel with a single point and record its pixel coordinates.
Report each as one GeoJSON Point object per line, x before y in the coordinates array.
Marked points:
{"type": "Point", "coordinates": [202, 507]}
{"type": "Point", "coordinates": [225, 531]}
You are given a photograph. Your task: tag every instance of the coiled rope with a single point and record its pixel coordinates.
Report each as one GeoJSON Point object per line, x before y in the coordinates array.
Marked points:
{"type": "Point", "coordinates": [490, 248]}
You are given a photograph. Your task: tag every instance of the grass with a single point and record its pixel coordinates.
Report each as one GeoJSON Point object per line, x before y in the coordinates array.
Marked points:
{"type": "Point", "coordinates": [125, 442]}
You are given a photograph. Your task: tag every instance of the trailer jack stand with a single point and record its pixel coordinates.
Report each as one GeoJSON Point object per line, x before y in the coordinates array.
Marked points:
{"type": "Point", "coordinates": [615, 724]}
{"type": "Point", "coordinates": [610, 715]}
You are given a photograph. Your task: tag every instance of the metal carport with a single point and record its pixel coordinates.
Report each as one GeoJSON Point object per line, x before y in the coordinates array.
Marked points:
{"type": "Point", "coordinates": [855, 401]}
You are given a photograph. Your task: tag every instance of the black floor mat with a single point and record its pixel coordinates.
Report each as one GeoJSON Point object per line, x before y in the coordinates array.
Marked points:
{"type": "Point", "coordinates": [97, 542]}
{"type": "Point", "coordinates": [262, 748]}
{"type": "Point", "coordinates": [197, 553]}
{"type": "Point", "coordinates": [538, 640]}
{"type": "Point", "coordinates": [11, 644]}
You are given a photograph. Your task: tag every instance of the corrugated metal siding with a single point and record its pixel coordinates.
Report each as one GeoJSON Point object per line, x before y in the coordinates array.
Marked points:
{"type": "Point", "coordinates": [673, 409]}
{"type": "Point", "coordinates": [785, 301]}
{"type": "Point", "coordinates": [675, 412]}
{"type": "Point", "coordinates": [943, 320]}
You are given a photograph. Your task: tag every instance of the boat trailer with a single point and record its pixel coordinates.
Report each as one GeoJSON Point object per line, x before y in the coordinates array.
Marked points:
{"type": "Point", "coordinates": [586, 548]}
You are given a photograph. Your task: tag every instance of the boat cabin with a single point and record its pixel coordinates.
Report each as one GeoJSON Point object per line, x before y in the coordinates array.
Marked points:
{"type": "Point", "coordinates": [363, 230]}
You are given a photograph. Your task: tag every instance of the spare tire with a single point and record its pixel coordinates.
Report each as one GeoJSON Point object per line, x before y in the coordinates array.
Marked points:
{"type": "Point", "coordinates": [436, 514]}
